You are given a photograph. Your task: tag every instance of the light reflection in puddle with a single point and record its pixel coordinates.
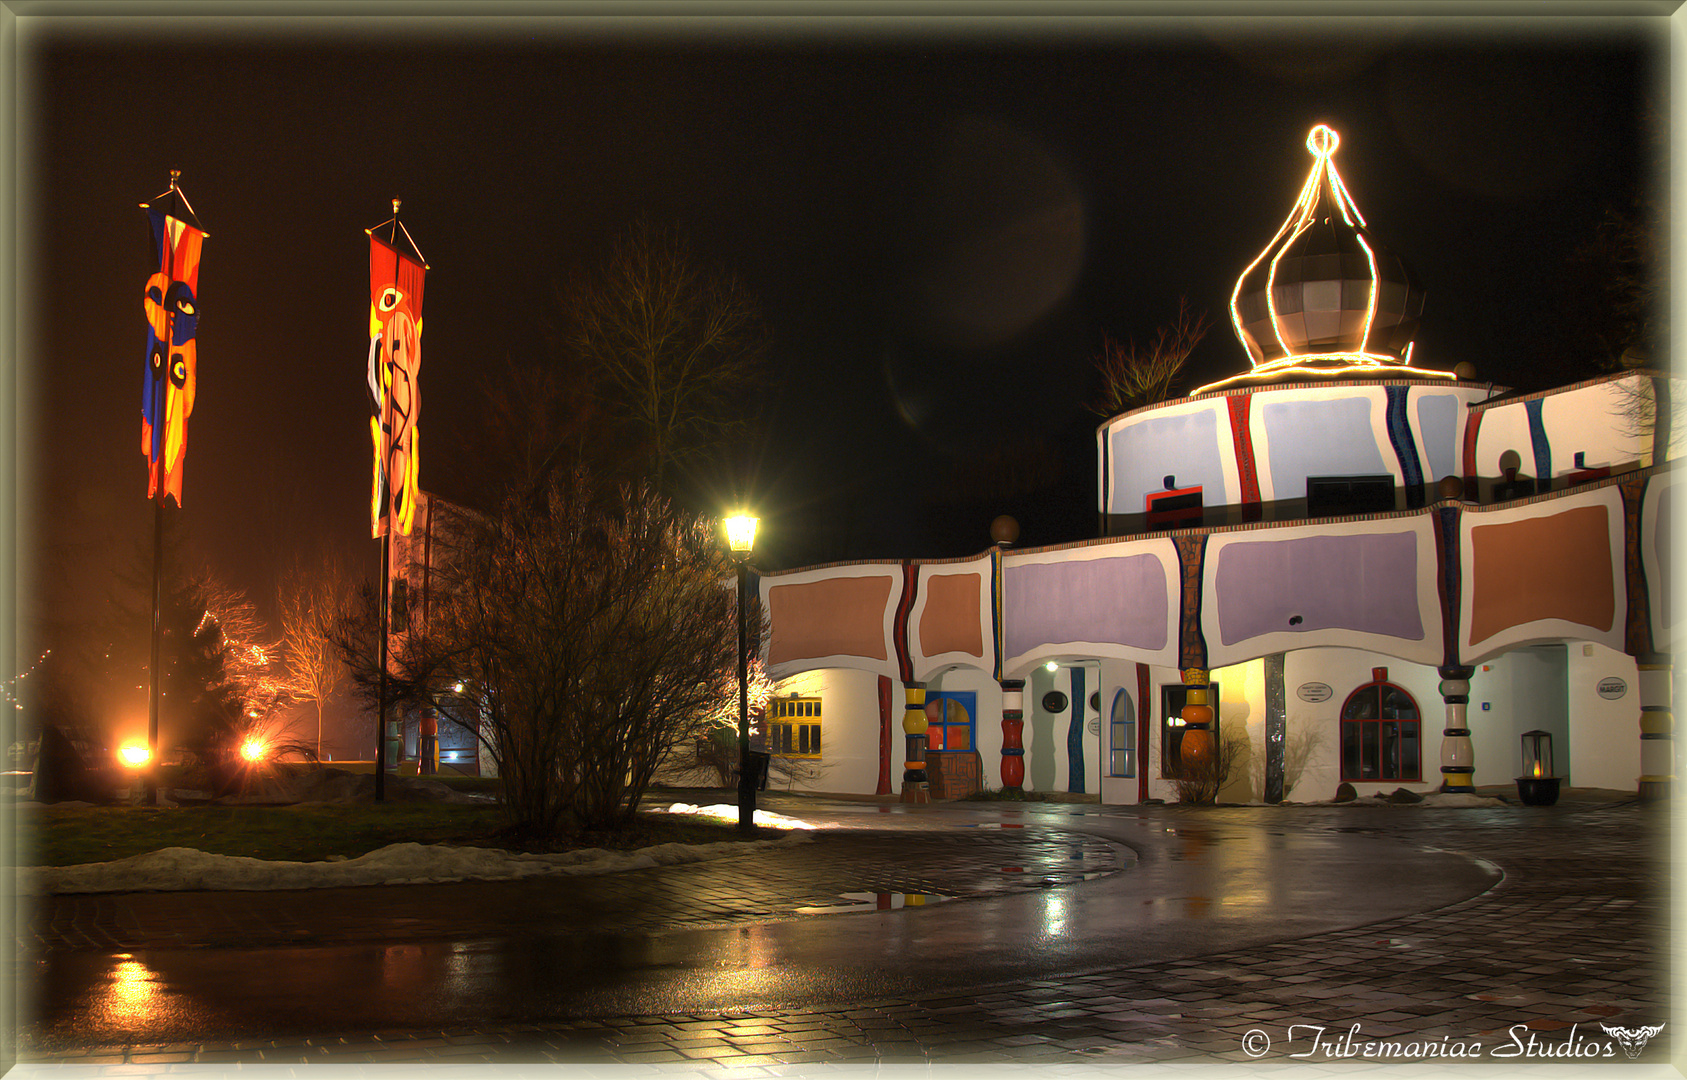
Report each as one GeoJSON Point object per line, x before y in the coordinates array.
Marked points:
{"type": "Point", "coordinates": [870, 901]}
{"type": "Point", "coordinates": [132, 996]}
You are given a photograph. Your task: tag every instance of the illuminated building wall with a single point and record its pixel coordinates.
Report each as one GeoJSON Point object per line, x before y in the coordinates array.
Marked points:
{"type": "Point", "coordinates": [1333, 512]}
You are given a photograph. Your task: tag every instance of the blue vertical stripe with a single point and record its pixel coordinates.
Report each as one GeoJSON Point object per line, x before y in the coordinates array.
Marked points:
{"type": "Point", "coordinates": [1075, 735]}
{"type": "Point", "coordinates": [1543, 449]}
{"type": "Point", "coordinates": [1400, 434]}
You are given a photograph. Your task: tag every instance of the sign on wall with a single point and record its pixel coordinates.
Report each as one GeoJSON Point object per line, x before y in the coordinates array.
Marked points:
{"type": "Point", "coordinates": [1613, 688]}
{"type": "Point", "coordinates": [1314, 691]}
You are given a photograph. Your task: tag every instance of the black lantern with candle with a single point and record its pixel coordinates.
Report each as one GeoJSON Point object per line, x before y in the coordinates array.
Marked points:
{"type": "Point", "coordinates": [1538, 786]}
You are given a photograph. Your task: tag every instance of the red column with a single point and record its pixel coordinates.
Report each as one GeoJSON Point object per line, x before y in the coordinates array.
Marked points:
{"type": "Point", "coordinates": [1013, 729]}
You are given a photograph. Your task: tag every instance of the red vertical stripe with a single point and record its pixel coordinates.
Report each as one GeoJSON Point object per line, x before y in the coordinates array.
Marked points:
{"type": "Point", "coordinates": [885, 744]}
{"type": "Point", "coordinates": [1239, 431]}
{"type": "Point", "coordinates": [1472, 422]}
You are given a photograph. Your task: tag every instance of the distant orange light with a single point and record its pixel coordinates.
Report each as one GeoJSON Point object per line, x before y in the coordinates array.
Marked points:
{"type": "Point", "coordinates": [253, 750]}
{"type": "Point", "coordinates": [134, 756]}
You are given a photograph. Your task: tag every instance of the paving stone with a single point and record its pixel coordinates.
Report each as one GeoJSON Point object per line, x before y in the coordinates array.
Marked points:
{"type": "Point", "coordinates": [1576, 931]}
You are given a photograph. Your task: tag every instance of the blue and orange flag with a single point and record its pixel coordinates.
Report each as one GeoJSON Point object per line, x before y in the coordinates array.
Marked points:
{"type": "Point", "coordinates": [395, 365]}
{"type": "Point", "coordinates": [172, 324]}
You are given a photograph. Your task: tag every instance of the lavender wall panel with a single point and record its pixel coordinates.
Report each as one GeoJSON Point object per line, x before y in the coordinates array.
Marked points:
{"type": "Point", "coordinates": [1366, 582]}
{"type": "Point", "coordinates": [1320, 438]}
{"type": "Point", "coordinates": [1119, 601]}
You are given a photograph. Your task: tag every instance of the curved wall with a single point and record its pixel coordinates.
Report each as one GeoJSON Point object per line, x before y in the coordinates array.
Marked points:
{"type": "Point", "coordinates": [1251, 445]}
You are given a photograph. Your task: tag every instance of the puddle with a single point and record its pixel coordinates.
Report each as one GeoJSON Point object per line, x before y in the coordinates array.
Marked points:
{"type": "Point", "coordinates": [867, 901]}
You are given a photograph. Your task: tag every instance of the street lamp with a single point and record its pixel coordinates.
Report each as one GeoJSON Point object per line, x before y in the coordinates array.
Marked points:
{"type": "Point", "coordinates": [741, 538]}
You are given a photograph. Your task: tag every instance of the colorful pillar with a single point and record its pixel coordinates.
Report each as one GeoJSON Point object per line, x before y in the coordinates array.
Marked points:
{"type": "Point", "coordinates": [429, 742]}
{"type": "Point", "coordinates": [1458, 759]}
{"type": "Point", "coordinates": [1013, 731]}
{"type": "Point", "coordinates": [1657, 727]}
{"type": "Point", "coordinates": [1198, 743]}
{"type": "Point", "coordinates": [915, 788]}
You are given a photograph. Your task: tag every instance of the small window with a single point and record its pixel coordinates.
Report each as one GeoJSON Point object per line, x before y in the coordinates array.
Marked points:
{"type": "Point", "coordinates": [1178, 506]}
{"type": "Point", "coordinates": [949, 719]}
{"type": "Point", "coordinates": [1380, 736]}
{"type": "Point", "coordinates": [1121, 737]}
{"type": "Point", "coordinates": [794, 730]}
{"type": "Point", "coordinates": [1329, 496]}
{"type": "Point", "coordinates": [398, 610]}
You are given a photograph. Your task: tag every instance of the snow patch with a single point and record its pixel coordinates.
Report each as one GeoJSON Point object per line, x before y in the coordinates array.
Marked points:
{"type": "Point", "coordinates": [180, 869]}
{"type": "Point", "coordinates": [729, 812]}
{"type": "Point", "coordinates": [1440, 799]}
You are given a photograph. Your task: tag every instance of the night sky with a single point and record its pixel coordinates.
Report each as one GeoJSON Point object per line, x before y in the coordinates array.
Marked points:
{"type": "Point", "coordinates": [941, 220]}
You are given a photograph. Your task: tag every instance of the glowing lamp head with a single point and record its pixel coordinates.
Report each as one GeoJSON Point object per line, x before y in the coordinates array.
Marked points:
{"type": "Point", "coordinates": [253, 750]}
{"type": "Point", "coordinates": [741, 533]}
{"type": "Point", "coordinates": [1052, 666]}
{"type": "Point", "coordinates": [134, 756]}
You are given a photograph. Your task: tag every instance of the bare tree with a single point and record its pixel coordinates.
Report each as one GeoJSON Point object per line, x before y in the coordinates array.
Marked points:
{"type": "Point", "coordinates": [1133, 376]}
{"type": "Point", "coordinates": [677, 345]}
{"type": "Point", "coordinates": [591, 640]}
{"type": "Point", "coordinates": [1200, 781]}
{"type": "Point", "coordinates": [313, 602]}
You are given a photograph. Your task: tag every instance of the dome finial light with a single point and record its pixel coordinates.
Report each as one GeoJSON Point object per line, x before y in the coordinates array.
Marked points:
{"type": "Point", "coordinates": [1323, 298]}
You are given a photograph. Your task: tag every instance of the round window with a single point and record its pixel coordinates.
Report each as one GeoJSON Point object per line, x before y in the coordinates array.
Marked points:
{"type": "Point", "coordinates": [1054, 701]}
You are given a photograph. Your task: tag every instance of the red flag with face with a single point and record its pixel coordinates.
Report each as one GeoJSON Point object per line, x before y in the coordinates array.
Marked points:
{"type": "Point", "coordinates": [172, 359]}
{"type": "Point", "coordinates": [395, 362]}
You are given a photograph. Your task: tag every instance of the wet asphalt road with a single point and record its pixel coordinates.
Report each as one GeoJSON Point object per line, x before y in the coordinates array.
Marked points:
{"type": "Point", "coordinates": [1182, 885]}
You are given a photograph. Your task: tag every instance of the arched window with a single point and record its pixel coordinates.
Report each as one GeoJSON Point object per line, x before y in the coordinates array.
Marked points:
{"type": "Point", "coordinates": [1380, 737]}
{"type": "Point", "coordinates": [1121, 738]}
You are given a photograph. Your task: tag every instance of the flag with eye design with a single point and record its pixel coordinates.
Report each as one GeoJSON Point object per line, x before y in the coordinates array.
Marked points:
{"type": "Point", "coordinates": [172, 359]}
{"type": "Point", "coordinates": [395, 363]}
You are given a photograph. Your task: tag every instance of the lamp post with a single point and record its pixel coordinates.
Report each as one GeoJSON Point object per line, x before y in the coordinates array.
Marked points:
{"type": "Point", "coordinates": [741, 538]}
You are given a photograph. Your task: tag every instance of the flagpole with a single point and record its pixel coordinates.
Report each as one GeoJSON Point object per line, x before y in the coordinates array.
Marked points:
{"type": "Point", "coordinates": [149, 796]}
{"type": "Point", "coordinates": [386, 566]}
{"type": "Point", "coordinates": [381, 723]}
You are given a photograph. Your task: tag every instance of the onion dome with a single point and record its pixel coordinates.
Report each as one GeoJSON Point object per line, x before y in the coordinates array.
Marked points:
{"type": "Point", "coordinates": [1324, 297]}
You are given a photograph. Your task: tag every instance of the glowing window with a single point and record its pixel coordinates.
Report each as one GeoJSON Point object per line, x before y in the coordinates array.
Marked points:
{"type": "Point", "coordinates": [794, 727]}
{"type": "Point", "coordinates": [949, 719]}
{"type": "Point", "coordinates": [1173, 697]}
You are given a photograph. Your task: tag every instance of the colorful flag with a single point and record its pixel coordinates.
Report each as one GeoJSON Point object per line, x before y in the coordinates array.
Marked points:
{"type": "Point", "coordinates": [395, 362]}
{"type": "Point", "coordinates": [172, 318]}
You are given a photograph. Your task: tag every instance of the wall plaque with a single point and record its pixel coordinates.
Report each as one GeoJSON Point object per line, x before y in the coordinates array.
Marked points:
{"type": "Point", "coordinates": [1613, 688]}
{"type": "Point", "coordinates": [1314, 691]}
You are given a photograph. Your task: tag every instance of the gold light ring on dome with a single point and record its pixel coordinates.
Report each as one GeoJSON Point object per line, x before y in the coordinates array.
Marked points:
{"type": "Point", "coordinates": [1321, 142]}
{"type": "Point", "coordinates": [1334, 364]}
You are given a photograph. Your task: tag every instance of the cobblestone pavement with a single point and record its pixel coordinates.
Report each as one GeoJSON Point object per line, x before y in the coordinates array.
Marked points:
{"type": "Point", "coordinates": [1573, 937]}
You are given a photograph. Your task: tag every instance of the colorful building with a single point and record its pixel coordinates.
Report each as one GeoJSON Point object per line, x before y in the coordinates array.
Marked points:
{"type": "Point", "coordinates": [1377, 573]}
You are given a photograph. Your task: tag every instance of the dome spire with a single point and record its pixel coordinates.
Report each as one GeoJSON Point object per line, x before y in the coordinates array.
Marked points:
{"type": "Point", "coordinates": [1325, 298]}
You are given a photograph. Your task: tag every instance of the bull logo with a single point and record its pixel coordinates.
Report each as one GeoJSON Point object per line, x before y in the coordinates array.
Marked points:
{"type": "Point", "coordinates": [1633, 1040]}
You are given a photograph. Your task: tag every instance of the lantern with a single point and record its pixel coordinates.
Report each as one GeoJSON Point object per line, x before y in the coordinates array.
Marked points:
{"type": "Point", "coordinates": [1538, 786]}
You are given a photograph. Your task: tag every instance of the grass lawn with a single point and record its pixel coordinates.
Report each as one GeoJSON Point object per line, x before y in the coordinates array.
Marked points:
{"type": "Point", "coordinates": [67, 835]}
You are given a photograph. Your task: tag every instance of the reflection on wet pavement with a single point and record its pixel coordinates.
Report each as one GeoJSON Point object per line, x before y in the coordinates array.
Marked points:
{"type": "Point", "coordinates": [867, 901]}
